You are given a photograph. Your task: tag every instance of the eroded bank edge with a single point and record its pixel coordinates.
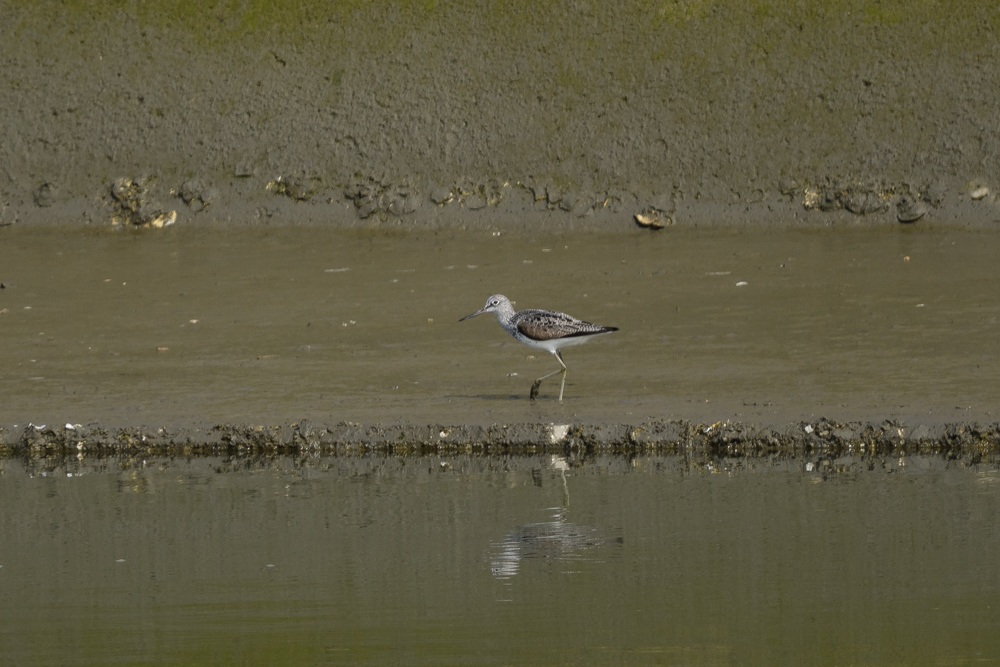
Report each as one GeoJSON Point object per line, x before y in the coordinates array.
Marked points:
{"type": "Point", "coordinates": [725, 438]}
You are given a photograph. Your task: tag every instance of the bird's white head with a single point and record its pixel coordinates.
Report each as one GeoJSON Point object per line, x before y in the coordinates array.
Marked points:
{"type": "Point", "coordinates": [497, 303]}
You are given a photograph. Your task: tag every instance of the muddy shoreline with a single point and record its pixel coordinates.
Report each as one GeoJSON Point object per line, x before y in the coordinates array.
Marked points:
{"type": "Point", "coordinates": [484, 117]}
{"type": "Point", "coordinates": [461, 115]}
{"type": "Point", "coordinates": [199, 341]}
{"type": "Point", "coordinates": [728, 439]}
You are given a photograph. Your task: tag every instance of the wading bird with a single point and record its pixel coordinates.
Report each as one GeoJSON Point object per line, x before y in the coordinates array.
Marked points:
{"type": "Point", "coordinates": [542, 329]}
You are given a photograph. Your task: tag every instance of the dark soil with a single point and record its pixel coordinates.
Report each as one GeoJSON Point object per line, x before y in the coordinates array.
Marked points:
{"type": "Point", "coordinates": [453, 113]}
{"type": "Point", "coordinates": [662, 437]}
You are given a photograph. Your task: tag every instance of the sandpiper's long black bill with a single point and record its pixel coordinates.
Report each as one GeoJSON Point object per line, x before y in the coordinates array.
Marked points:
{"type": "Point", "coordinates": [478, 312]}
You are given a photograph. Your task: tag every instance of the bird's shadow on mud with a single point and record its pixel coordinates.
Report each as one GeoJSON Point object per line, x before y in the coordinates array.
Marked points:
{"type": "Point", "coordinates": [509, 397]}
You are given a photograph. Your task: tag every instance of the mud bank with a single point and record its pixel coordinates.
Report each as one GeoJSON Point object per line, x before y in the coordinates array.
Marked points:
{"type": "Point", "coordinates": [661, 437]}
{"type": "Point", "coordinates": [451, 113]}
{"type": "Point", "coordinates": [217, 340]}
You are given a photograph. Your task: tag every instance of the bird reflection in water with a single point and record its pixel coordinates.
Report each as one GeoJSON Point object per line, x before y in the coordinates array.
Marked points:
{"type": "Point", "coordinates": [558, 540]}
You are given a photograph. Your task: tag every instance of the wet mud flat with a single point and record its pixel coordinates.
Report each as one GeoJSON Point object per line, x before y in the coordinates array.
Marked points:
{"type": "Point", "coordinates": [300, 339]}
{"type": "Point", "coordinates": [224, 228]}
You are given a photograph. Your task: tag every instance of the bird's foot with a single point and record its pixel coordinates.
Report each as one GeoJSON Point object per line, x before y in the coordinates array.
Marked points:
{"type": "Point", "coordinates": [534, 390]}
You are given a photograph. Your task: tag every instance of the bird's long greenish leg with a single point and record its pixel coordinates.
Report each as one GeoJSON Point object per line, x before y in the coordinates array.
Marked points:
{"type": "Point", "coordinates": [562, 385]}
{"type": "Point", "coordinates": [538, 382]}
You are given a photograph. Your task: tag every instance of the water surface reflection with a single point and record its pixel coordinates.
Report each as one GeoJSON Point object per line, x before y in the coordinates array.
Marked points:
{"type": "Point", "coordinates": [443, 560]}
{"type": "Point", "coordinates": [558, 540]}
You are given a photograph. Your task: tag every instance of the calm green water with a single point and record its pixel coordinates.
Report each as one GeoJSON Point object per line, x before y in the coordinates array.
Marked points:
{"type": "Point", "coordinates": [468, 560]}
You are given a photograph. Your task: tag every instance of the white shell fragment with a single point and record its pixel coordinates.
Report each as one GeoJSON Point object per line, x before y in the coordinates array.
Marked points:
{"type": "Point", "coordinates": [558, 432]}
{"type": "Point", "coordinates": [652, 218]}
{"type": "Point", "coordinates": [164, 220]}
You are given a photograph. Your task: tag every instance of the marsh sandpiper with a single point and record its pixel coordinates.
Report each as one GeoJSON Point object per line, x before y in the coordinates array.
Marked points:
{"type": "Point", "coordinates": [547, 330]}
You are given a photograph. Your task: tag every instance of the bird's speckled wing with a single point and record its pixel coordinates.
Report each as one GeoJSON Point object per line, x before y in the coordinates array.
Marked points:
{"type": "Point", "coordinates": [549, 325]}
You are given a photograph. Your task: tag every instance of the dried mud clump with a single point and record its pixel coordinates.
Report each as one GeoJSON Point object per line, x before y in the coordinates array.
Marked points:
{"type": "Point", "coordinates": [910, 203]}
{"type": "Point", "coordinates": [475, 195]}
{"type": "Point", "coordinates": [45, 195]}
{"type": "Point", "coordinates": [8, 215]}
{"type": "Point", "coordinates": [652, 218]}
{"type": "Point", "coordinates": [295, 188]}
{"type": "Point", "coordinates": [555, 198]}
{"type": "Point", "coordinates": [470, 194]}
{"type": "Point", "coordinates": [378, 197]}
{"type": "Point", "coordinates": [134, 206]}
{"type": "Point", "coordinates": [859, 199]}
{"type": "Point", "coordinates": [197, 194]}
{"type": "Point", "coordinates": [910, 209]}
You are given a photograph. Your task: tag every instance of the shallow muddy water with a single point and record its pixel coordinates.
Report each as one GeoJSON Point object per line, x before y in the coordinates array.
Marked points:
{"type": "Point", "coordinates": [190, 326]}
{"type": "Point", "coordinates": [518, 560]}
